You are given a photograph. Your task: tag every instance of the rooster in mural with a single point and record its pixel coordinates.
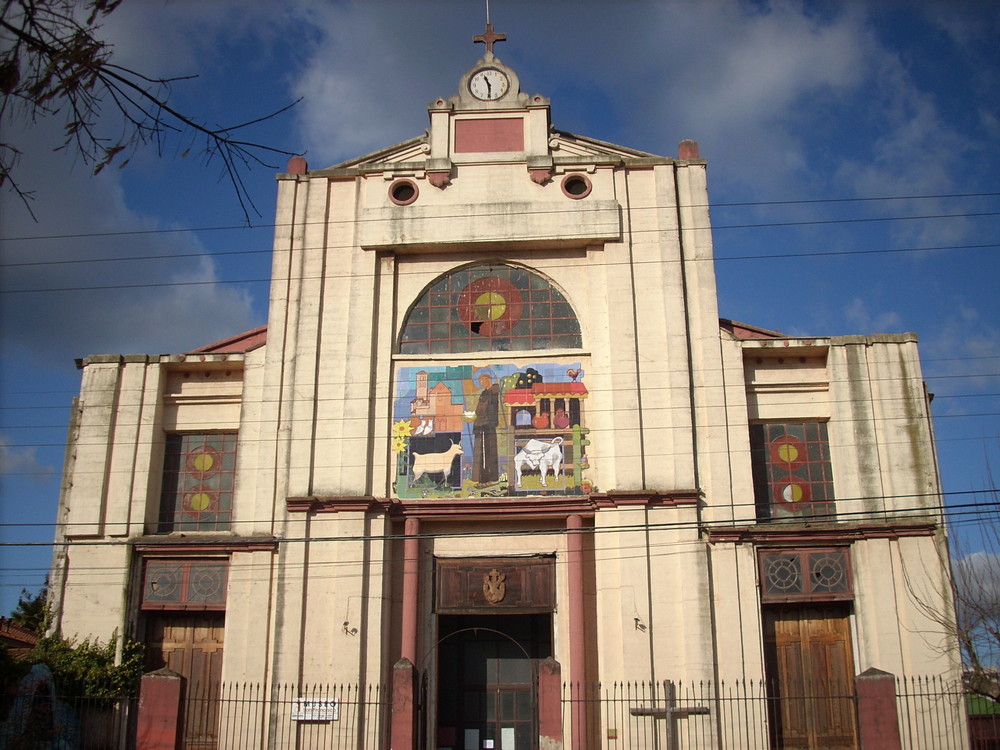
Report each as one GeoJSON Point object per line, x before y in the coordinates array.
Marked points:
{"type": "Point", "coordinates": [574, 374]}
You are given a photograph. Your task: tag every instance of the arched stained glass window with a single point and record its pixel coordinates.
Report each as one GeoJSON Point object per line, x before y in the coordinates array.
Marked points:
{"type": "Point", "coordinates": [496, 308]}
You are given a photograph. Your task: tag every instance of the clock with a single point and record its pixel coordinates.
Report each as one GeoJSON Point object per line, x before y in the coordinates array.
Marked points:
{"type": "Point", "coordinates": [489, 84]}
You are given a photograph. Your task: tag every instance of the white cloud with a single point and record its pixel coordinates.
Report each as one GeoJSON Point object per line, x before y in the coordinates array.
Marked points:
{"type": "Point", "coordinates": [184, 37]}
{"type": "Point", "coordinates": [914, 154]}
{"type": "Point", "coordinates": [743, 82]}
{"type": "Point", "coordinates": [145, 314]}
{"type": "Point", "coordinates": [729, 77]}
{"type": "Point", "coordinates": [751, 82]}
{"type": "Point", "coordinates": [369, 76]}
{"type": "Point", "coordinates": [968, 24]}
{"type": "Point", "coordinates": [964, 344]}
{"type": "Point", "coordinates": [977, 576]}
{"type": "Point", "coordinates": [23, 461]}
{"type": "Point", "coordinates": [861, 319]}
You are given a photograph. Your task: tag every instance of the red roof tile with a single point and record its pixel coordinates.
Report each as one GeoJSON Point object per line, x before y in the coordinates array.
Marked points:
{"type": "Point", "coordinates": [525, 396]}
{"type": "Point", "coordinates": [241, 343]}
{"type": "Point", "coordinates": [745, 331]}
{"type": "Point", "coordinates": [15, 636]}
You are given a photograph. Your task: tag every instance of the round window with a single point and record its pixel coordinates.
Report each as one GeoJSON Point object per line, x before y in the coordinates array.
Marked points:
{"type": "Point", "coordinates": [403, 192]}
{"type": "Point", "coordinates": [576, 186]}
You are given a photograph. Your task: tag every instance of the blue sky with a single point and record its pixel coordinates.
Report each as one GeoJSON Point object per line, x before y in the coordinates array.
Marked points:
{"type": "Point", "coordinates": [828, 127]}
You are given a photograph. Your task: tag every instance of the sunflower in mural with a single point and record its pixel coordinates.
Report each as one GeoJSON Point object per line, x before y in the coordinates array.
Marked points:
{"type": "Point", "coordinates": [401, 430]}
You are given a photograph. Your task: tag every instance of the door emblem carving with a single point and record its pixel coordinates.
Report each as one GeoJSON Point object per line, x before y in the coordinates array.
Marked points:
{"type": "Point", "coordinates": [494, 588]}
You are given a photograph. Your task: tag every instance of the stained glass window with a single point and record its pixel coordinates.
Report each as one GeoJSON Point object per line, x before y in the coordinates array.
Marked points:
{"type": "Point", "coordinates": [490, 308]}
{"type": "Point", "coordinates": [198, 477]}
{"type": "Point", "coordinates": [810, 575]}
{"type": "Point", "coordinates": [792, 473]}
{"type": "Point", "coordinates": [185, 584]}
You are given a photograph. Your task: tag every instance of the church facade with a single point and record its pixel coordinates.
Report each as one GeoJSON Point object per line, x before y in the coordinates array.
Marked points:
{"type": "Point", "coordinates": [494, 418]}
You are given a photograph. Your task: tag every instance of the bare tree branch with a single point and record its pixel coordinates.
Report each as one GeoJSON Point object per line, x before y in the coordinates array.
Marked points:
{"type": "Point", "coordinates": [53, 63]}
{"type": "Point", "coordinates": [972, 616]}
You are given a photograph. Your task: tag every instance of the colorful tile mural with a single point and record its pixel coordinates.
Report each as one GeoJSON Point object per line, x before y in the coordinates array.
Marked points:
{"type": "Point", "coordinates": [490, 431]}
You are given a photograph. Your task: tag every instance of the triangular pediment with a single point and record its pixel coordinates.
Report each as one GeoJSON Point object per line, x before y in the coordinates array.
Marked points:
{"type": "Point", "coordinates": [562, 145]}
{"type": "Point", "coordinates": [409, 151]}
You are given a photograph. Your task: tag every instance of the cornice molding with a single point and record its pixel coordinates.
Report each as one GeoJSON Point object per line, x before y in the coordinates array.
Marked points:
{"type": "Point", "coordinates": [787, 535]}
{"type": "Point", "coordinates": [545, 506]}
{"type": "Point", "coordinates": [200, 546]}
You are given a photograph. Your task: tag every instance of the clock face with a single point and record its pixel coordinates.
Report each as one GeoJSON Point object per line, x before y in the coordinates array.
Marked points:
{"type": "Point", "coordinates": [489, 84]}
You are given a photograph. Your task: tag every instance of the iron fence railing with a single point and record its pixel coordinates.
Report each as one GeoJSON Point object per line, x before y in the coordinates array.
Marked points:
{"type": "Point", "coordinates": [68, 722]}
{"type": "Point", "coordinates": [745, 715]}
{"type": "Point", "coordinates": [932, 714]}
{"type": "Point", "coordinates": [741, 715]}
{"type": "Point", "coordinates": [246, 716]}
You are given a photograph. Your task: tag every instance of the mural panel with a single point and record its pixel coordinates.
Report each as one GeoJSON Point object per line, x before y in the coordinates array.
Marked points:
{"type": "Point", "coordinates": [490, 431]}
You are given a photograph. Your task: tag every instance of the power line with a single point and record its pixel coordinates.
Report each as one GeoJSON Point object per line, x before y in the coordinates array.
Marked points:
{"type": "Point", "coordinates": [923, 360]}
{"type": "Point", "coordinates": [832, 403]}
{"type": "Point", "coordinates": [954, 515]}
{"type": "Point", "coordinates": [569, 358]}
{"type": "Point", "coordinates": [113, 525]}
{"type": "Point", "coordinates": [379, 466]}
{"type": "Point", "coordinates": [808, 201]}
{"type": "Point", "coordinates": [415, 271]}
{"type": "Point", "coordinates": [592, 423]}
{"type": "Point", "coordinates": [327, 569]}
{"type": "Point", "coordinates": [228, 253]}
{"type": "Point", "coordinates": [65, 406]}
{"type": "Point", "coordinates": [593, 431]}
{"type": "Point", "coordinates": [404, 271]}
{"type": "Point", "coordinates": [742, 204]}
{"type": "Point", "coordinates": [882, 516]}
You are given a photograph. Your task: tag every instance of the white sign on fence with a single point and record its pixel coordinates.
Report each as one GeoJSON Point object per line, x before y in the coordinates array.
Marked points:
{"type": "Point", "coordinates": [313, 709]}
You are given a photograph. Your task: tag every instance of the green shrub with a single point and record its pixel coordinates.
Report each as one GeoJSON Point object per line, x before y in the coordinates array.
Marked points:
{"type": "Point", "coordinates": [87, 668]}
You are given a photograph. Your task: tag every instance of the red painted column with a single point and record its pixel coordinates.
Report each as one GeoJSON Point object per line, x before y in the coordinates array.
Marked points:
{"type": "Point", "coordinates": [411, 588]}
{"type": "Point", "coordinates": [550, 728]}
{"type": "Point", "coordinates": [160, 724]}
{"type": "Point", "coordinates": [403, 724]}
{"type": "Point", "coordinates": [577, 632]}
{"type": "Point", "coordinates": [878, 720]}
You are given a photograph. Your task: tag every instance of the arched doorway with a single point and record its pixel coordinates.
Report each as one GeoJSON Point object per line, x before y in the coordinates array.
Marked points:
{"type": "Point", "coordinates": [486, 680]}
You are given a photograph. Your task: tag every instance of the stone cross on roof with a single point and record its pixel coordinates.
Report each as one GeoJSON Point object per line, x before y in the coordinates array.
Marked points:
{"type": "Point", "coordinates": [489, 38]}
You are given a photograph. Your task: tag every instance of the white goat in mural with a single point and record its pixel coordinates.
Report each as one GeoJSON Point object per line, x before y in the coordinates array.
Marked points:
{"type": "Point", "coordinates": [435, 463]}
{"type": "Point", "coordinates": [539, 454]}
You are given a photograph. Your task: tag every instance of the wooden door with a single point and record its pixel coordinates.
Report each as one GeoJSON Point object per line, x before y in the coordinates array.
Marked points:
{"type": "Point", "coordinates": [810, 672]}
{"type": "Point", "coordinates": [190, 644]}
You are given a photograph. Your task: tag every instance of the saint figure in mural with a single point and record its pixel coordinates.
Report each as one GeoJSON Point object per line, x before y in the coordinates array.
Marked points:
{"type": "Point", "coordinates": [485, 464]}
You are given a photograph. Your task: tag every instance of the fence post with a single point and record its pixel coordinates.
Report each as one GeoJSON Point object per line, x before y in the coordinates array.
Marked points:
{"type": "Point", "coordinates": [160, 724]}
{"type": "Point", "coordinates": [878, 718]}
{"type": "Point", "coordinates": [550, 729]}
{"type": "Point", "coordinates": [403, 732]}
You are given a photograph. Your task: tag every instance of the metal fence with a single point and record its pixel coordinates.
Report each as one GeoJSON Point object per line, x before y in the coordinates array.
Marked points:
{"type": "Point", "coordinates": [634, 715]}
{"type": "Point", "coordinates": [932, 714]}
{"type": "Point", "coordinates": [746, 716]}
{"type": "Point", "coordinates": [78, 723]}
{"type": "Point", "coordinates": [243, 716]}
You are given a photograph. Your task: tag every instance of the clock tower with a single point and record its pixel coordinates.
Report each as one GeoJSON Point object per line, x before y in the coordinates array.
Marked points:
{"type": "Point", "coordinates": [477, 330]}
{"type": "Point", "coordinates": [489, 115]}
